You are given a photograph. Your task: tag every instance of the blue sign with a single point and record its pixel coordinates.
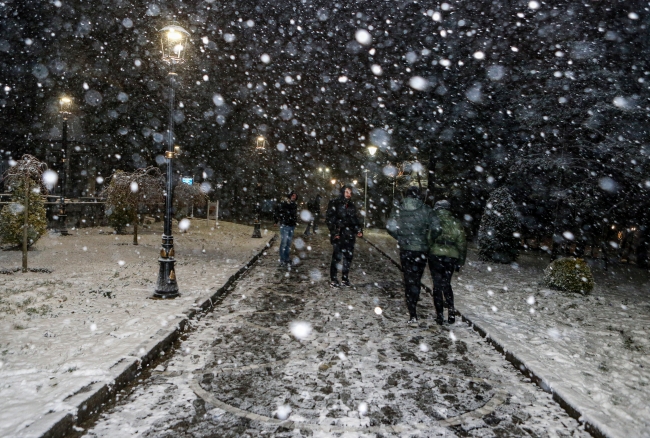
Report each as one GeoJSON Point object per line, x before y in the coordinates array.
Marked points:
{"type": "Point", "coordinates": [187, 180]}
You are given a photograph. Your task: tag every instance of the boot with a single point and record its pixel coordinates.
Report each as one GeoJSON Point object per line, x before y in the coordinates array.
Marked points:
{"type": "Point", "coordinates": [440, 318]}
{"type": "Point", "coordinates": [451, 318]}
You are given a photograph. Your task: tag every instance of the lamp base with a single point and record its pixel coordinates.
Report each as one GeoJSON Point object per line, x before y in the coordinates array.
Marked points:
{"type": "Point", "coordinates": [166, 285]}
{"type": "Point", "coordinates": [257, 230]}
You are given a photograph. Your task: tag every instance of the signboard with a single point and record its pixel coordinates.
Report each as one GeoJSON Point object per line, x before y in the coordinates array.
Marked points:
{"type": "Point", "coordinates": [187, 180]}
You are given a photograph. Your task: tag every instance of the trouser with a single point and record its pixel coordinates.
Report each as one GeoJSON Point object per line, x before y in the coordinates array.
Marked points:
{"type": "Point", "coordinates": [313, 225]}
{"type": "Point", "coordinates": [413, 264]}
{"type": "Point", "coordinates": [286, 234]}
{"type": "Point", "coordinates": [442, 268]}
{"type": "Point", "coordinates": [343, 250]}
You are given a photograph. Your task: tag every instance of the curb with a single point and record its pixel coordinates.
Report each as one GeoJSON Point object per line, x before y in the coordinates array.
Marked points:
{"type": "Point", "coordinates": [89, 400]}
{"type": "Point", "coordinates": [594, 427]}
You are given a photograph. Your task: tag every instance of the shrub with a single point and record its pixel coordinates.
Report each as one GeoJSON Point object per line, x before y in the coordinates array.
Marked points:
{"type": "Point", "coordinates": [12, 216]}
{"type": "Point", "coordinates": [120, 212]}
{"type": "Point", "coordinates": [497, 235]}
{"type": "Point", "coordinates": [569, 274]}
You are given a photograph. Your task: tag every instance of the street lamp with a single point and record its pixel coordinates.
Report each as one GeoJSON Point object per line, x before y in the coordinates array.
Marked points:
{"type": "Point", "coordinates": [174, 40]}
{"type": "Point", "coordinates": [65, 110]}
{"type": "Point", "coordinates": [333, 181]}
{"type": "Point", "coordinates": [260, 147]}
{"type": "Point", "coordinates": [372, 150]}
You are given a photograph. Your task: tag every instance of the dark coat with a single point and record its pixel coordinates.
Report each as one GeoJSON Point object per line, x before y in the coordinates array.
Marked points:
{"type": "Point", "coordinates": [410, 224]}
{"type": "Point", "coordinates": [314, 207]}
{"type": "Point", "coordinates": [342, 218]}
{"type": "Point", "coordinates": [286, 213]}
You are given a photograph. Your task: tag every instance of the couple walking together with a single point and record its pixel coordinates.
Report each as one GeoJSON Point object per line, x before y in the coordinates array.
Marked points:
{"type": "Point", "coordinates": [428, 235]}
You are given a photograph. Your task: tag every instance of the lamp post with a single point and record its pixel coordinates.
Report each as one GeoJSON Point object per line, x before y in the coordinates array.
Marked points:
{"type": "Point", "coordinates": [372, 150]}
{"type": "Point", "coordinates": [260, 147]}
{"type": "Point", "coordinates": [174, 40]}
{"type": "Point", "coordinates": [65, 109]}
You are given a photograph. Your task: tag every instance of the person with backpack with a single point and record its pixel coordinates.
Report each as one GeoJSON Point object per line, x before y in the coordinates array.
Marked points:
{"type": "Point", "coordinates": [313, 206]}
{"type": "Point", "coordinates": [447, 253]}
{"type": "Point", "coordinates": [344, 226]}
{"type": "Point", "coordinates": [286, 214]}
{"type": "Point", "coordinates": [410, 223]}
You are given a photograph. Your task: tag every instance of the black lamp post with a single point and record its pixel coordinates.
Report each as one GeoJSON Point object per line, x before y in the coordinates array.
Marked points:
{"type": "Point", "coordinates": [260, 148]}
{"type": "Point", "coordinates": [65, 108]}
{"type": "Point", "coordinates": [174, 40]}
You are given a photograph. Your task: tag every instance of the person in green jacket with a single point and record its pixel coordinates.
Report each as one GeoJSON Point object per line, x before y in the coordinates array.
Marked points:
{"type": "Point", "coordinates": [447, 253]}
{"type": "Point", "coordinates": [410, 224]}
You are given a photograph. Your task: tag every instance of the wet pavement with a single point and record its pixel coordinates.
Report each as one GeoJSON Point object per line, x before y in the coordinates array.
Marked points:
{"type": "Point", "coordinates": [285, 355]}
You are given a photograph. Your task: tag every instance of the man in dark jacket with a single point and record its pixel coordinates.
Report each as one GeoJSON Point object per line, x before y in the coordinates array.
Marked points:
{"type": "Point", "coordinates": [447, 252]}
{"type": "Point", "coordinates": [410, 223]}
{"type": "Point", "coordinates": [286, 214]}
{"type": "Point", "coordinates": [314, 208]}
{"type": "Point", "coordinates": [345, 226]}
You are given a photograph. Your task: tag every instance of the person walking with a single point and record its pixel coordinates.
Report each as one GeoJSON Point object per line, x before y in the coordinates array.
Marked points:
{"type": "Point", "coordinates": [344, 226]}
{"type": "Point", "coordinates": [447, 253]}
{"type": "Point", "coordinates": [410, 223]}
{"type": "Point", "coordinates": [313, 206]}
{"type": "Point", "coordinates": [286, 214]}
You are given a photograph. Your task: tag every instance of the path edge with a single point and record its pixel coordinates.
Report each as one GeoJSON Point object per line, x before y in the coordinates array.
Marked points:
{"type": "Point", "coordinates": [89, 400]}
{"type": "Point", "coordinates": [573, 409]}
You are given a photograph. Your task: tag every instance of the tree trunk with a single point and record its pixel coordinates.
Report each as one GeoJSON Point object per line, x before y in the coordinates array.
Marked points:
{"type": "Point", "coordinates": [25, 224]}
{"type": "Point", "coordinates": [135, 230]}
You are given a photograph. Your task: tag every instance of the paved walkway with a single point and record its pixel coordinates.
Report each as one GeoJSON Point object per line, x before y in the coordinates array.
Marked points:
{"type": "Point", "coordinates": [285, 355]}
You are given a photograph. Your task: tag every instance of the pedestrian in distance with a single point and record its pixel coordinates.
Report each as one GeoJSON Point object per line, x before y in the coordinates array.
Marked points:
{"type": "Point", "coordinates": [313, 206]}
{"type": "Point", "coordinates": [410, 223]}
{"type": "Point", "coordinates": [447, 253]}
{"type": "Point", "coordinates": [345, 226]}
{"type": "Point", "coordinates": [286, 214]}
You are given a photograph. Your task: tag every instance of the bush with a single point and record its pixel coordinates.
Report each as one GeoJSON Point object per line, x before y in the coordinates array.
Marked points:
{"type": "Point", "coordinates": [120, 213]}
{"type": "Point", "coordinates": [569, 274]}
{"type": "Point", "coordinates": [497, 235]}
{"type": "Point", "coordinates": [12, 217]}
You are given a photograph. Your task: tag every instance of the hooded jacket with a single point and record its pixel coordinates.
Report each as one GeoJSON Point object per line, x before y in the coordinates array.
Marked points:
{"type": "Point", "coordinates": [286, 213]}
{"type": "Point", "coordinates": [449, 240]}
{"type": "Point", "coordinates": [342, 219]}
{"type": "Point", "coordinates": [410, 223]}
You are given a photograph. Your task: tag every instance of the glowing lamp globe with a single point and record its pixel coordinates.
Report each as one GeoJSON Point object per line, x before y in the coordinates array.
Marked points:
{"type": "Point", "coordinates": [174, 41]}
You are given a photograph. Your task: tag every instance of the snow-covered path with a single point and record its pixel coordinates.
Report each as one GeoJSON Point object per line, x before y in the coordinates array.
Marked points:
{"type": "Point", "coordinates": [67, 333]}
{"type": "Point", "coordinates": [286, 355]}
{"type": "Point", "coordinates": [592, 350]}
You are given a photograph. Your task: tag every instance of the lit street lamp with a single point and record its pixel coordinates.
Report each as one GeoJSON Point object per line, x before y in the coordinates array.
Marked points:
{"type": "Point", "coordinates": [260, 147]}
{"type": "Point", "coordinates": [174, 40]}
{"type": "Point", "coordinates": [65, 110]}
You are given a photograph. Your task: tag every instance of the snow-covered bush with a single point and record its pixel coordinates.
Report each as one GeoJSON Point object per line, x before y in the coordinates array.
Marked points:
{"type": "Point", "coordinates": [569, 274]}
{"type": "Point", "coordinates": [498, 238]}
{"type": "Point", "coordinates": [187, 196]}
{"type": "Point", "coordinates": [12, 216]}
{"type": "Point", "coordinates": [120, 212]}
{"type": "Point", "coordinates": [127, 192]}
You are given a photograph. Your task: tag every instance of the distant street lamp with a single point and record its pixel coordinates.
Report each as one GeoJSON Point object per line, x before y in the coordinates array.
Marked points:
{"type": "Point", "coordinates": [333, 181]}
{"type": "Point", "coordinates": [260, 147]}
{"type": "Point", "coordinates": [174, 40]}
{"type": "Point", "coordinates": [65, 110]}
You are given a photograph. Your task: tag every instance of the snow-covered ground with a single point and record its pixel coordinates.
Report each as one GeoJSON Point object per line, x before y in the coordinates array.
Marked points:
{"type": "Point", "coordinates": [64, 330]}
{"type": "Point", "coordinates": [594, 349]}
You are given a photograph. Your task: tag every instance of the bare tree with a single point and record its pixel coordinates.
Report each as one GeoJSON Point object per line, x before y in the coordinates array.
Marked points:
{"type": "Point", "coordinates": [28, 171]}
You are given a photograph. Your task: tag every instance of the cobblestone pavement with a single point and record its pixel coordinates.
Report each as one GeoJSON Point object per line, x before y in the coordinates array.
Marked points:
{"type": "Point", "coordinates": [285, 355]}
